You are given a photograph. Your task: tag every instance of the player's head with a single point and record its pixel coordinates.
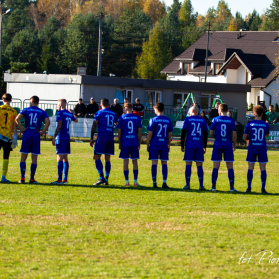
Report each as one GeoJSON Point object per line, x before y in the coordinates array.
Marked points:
{"type": "Point", "coordinates": [7, 98]}
{"type": "Point", "coordinates": [128, 107]}
{"type": "Point", "coordinates": [34, 101]}
{"type": "Point", "coordinates": [229, 114]}
{"type": "Point", "coordinates": [223, 108]}
{"type": "Point", "coordinates": [217, 104]}
{"type": "Point", "coordinates": [195, 110]}
{"type": "Point", "coordinates": [80, 101]}
{"type": "Point", "coordinates": [126, 100]}
{"type": "Point", "coordinates": [105, 103]}
{"type": "Point", "coordinates": [159, 108]}
{"type": "Point", "coordinates": [258, 110]}
{"type": "Point", "coordinates": [62, 103]}
{"type": "Point", "coordinates": [271, 108]}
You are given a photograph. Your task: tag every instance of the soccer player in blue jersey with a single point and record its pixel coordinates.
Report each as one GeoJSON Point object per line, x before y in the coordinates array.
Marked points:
{"type": "Point", "coordinates": [196, 142]}
{"type": "Point", "coordinates": [223, 129]}
{"type": "Point", "coordinates": [257, 130]}
{"type": "Point", "coordinates": [105, 120]}
{"type": "Point", "coordinates": [158, 143]}
{"type": "Point", "coordinates": [62, 140]}
{"type": "Point", "coordinates": [34, 117]}
{"type": "Point", "coordinates": [129, 136]}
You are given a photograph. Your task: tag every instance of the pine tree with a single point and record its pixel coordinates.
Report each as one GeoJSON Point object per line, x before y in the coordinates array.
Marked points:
{"type": "Point", "coordinates": [272, 17]}
{"type": "Point", "coordinates": [251, 107]}
{"type": "Point", "coordinates": [276, 108]}
{"type": "Point", "coordinates": [186, 16]}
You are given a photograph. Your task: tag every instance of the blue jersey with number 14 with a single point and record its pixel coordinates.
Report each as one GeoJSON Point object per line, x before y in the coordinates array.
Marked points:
{"type": "Point", "coordinates": [106, 119]}
{"type": "Point", "coordinates": [223, 126]}
{"type": "Point", "coordinates": [160, 126]}
{"type": "Point", "coordinates": [257, 131]}
{"type": "Point", "coordinates": [66, 117]}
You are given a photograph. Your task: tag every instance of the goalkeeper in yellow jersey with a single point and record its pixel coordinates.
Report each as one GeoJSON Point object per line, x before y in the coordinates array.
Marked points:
{"type": "Point", "coordinates": [8, 140]}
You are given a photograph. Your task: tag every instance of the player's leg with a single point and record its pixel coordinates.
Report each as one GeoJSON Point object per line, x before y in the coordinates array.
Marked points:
{"type": "Point", "coordinates": [231, 176]}
{"type": "Point", "coordinates": [35, 150]}
{"type": "Point", "coordinates": [188, 172]}
{"type": "Point", "coordinates": [135, 172]}
{"type": "Point", "coordinates": [99, 167]}
{"type": "Point", "coordinates": [60, 158]}
{"type": "Point", "coordinates": [200, 175]}
{"type": "Point", "coordinates": [107, 167]}
{"type": "Point", "coordinates": [65, 169]}
{"type": "Point", "coordinates": [26, 147]}
{"type": "Point", "coordinates": [154, 172]}
{"type": "Point", "coordinates": [263, 176]}
{"type": "Point", "coordinates": [33, 168]}
{"type": "Point", "coordinates": [23, 167]}
{"type": "Point", "coordinates": [250, 176]}
{"type": "Point", "coordinates": [6, 154]}
{"type": "Point", "coordinates": [126, 171]}
{"type": "Point", "coordinates": [216, 158]}
{"type": "Point", "coordinates": [164, 173]}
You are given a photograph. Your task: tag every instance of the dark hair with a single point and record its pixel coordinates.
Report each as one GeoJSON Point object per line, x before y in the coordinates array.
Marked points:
{"type": "Point", "coordinates": [271, 105]}
{"type": "Point", "coordinates": [105, 102]}
{"type": "Point", "coordinates": [159, 106]}
{"type": "Point", "coordinates": [224, 107]}
{"type": "Point", "coordinates": [203, 113]}
{"type": "Point", "coordinates": [80, 99]}
{"type": "Point", "coordinates": [7, 97]}
{"type": "Point", "coordinates": [35, 99]}
{"type": "Point", "coordinates": [259, 110]}
{"type": "Point", "coordinates": [63, 101]}
{"type": "Point", "coordinates": [128, 105]}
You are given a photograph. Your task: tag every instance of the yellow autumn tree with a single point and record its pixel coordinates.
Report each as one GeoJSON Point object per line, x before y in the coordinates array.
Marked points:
{"type": "Point", "coordinates": [155, 9]}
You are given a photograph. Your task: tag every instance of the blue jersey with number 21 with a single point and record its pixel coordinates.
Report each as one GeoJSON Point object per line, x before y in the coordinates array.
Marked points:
{"type": "Point", "coordinates": [160, 126]}
{"type": "Point", "coordinates": [223, 126]}
{"type": "Point", "coordinates": [66, 117]}
{"type": "Point", "coordinates": [106, 119]}
{"type": "Point", "coordinates": [34, 117]}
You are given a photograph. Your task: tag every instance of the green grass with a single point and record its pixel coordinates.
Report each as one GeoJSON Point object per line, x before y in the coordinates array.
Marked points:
{"type": "Point", "coordinates": [83, 231]}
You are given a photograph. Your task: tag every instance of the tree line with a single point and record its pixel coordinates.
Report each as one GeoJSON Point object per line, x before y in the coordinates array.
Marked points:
{"type": "Point", "coordinates": [140, 37]}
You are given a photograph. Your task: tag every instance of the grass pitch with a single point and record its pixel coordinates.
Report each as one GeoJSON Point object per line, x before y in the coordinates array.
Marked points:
{"type": "Point", "coordinates": [83, 231]}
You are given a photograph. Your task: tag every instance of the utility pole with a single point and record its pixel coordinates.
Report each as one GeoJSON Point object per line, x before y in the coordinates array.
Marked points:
{"type": "Point", "coordinates": [206, 59]}
{"type": "Point", "coordinates": [100, 46]}
{"type": "Point", "coordinates": [0, 33]}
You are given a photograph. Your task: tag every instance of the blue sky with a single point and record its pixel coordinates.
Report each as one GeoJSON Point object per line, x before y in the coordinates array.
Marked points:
{"type": "Point", "coordinates": [244, 7]}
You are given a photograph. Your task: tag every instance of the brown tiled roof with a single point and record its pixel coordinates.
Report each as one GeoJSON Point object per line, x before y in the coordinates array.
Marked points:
{"type": "Point", "coordinates": [200, 68]}
{"type": "Point", "coordinates": [172, 68]}
{"type": "Point", "coordinates": [222, 44]}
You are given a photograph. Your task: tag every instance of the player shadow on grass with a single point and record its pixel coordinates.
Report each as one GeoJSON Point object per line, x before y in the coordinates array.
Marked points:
{"type": "Point", "coordinates": [148, 188]}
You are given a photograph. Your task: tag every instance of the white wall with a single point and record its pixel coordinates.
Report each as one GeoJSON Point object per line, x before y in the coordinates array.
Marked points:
{"type": "Point", "coordinates": [273, 90]}
{"type": "Point", "coordinates": [184, 78]}
{"type": "Point", "coordinates": [241, 75]}
{"type": "Point", "coordinates": [265, 97]}
{"type": "Point", "coordinates": [231, 76]}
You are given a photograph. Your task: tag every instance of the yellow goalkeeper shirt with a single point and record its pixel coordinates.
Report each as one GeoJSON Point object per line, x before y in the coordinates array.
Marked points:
{"type": "Point", "coordinates": [7, 119]}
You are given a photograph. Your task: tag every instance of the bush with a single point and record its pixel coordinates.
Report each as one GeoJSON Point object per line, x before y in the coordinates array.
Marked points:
{"type": "Point", "coordinates": [251, 107]}
{"type": "Point", "coordinates": [276, 108]}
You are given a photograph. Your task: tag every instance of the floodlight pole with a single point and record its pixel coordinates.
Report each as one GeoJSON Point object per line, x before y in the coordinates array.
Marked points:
{"type": "Point", "coordinates": [100, 46]}
{"type": "Point", "coordinates": [206, 59]}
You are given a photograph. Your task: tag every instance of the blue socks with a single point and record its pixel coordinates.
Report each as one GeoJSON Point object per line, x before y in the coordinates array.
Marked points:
{"type": "Point", "coordinates": [188, 171]}
{"type": "Point", "coordinates": [249, 178]}
{"type": "Point", "coordinates": [231, 177]}
{"type": "Point", "coordinates": [214, 176]}
{"type": "Point", "coordinates": [60, 170]}
{"type": "Point", "coordinates": [126, 174]}
{"type": "Point", "coordinates": [66, 170]}
{"type": "Point", "coordinates": [22, 169]}
{"type": "Point", "coordinates": [154, 173]}
{"type": "Point", "coordinates": [263, 178]}
{"type": "Point", "coordinates": [99, 167]}
{"type": "Point", "coordinates": [165, 173]}
{"type": "Point", "coordinates": [107, 169]}
{"type": "Point", "coordinates": [200, 175]}
{"type": "Point", "coordinates": [136, 173]}
{"type": "Point", "coordinates": [33, 171]}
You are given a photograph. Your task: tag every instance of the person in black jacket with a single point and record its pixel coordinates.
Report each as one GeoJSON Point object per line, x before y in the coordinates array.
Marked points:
{"type": "Point", "coordinates": [138, 106]}
{"type": "Point", "coordinates": [117, 108]}
{"type": "Point", "coordinates": [92, 108]}
{"type": "Point", "coordinates": [214, 111]}
{"type": "Point", "coordinates": [80, 109]}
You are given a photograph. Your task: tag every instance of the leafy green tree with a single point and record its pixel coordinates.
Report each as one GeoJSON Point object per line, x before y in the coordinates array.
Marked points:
{"type": "Point", "coordinates": [251, 107]}
{"type": "Point", "coordinates": [44, 62]}
{"type": "Point", "coordinates": [254, 21]}
{"type": "Point", "coordinates": [155, 56]}
{"type": "Point", "coordinates": [186, 15]}
{"type": "Point", "coordinates": [272, 17]}
{"type": "Point", "coordinates": [18, 67]}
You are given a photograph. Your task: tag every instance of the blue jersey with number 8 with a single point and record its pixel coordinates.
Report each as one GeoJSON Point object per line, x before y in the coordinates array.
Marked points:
{"type": "Point", "coordinates": [257, 131]}
{"type": "Point", "coordinates": [106, 119]}
{"type": "Point", "coordinates": [34, 117]}
{"type": "Point", "coordinates": [223, 126]}
{"type": "Point", "coordinates": [160, 126]}
{"type": "Point", "coordinates": [66, 117]}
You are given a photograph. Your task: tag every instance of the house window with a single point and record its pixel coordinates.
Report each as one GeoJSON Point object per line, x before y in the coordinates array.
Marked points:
{"type": "Point", "coordinates": [186, 68]}
{"type": "Point", "coordinates": [152, 97]}
{"type": "Point", "coordinates": [178, 99]}
{"type": "Point", "coordinates": [207, 100]}
{"type": "Point", "coordinates": [121, 94]}
{"type": "Point", "coordinates": [217, 67]}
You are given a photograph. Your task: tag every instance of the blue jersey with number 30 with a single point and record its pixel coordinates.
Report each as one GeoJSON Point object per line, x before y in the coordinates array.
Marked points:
{"type": "Point", "coordinates": [223, 126]}
{"type": "Point", "coordinates": [129, 125]}
{"type": "Point", "coordinates": [160, 126]}
{"type": "Point", "coordinates": [257, 131]}
{"type": "Point", "coordinates": [66, 117]}
{"type": "Point", "coordinates": [34, 117]}
{"type": "Point", "coordinates": [106, 119]}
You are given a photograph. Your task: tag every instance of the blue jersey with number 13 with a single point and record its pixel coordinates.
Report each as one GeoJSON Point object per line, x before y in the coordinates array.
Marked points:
{"type": "Point", "coordinates": [106, 119]}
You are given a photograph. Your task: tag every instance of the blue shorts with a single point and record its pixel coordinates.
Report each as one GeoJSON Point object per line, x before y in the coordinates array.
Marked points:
{"type": "Point", "coordinates": [252, 157]}
{"type": "Point", "coordinates": [63, 147]}
{"type": "Point", "coordinates": [104, 145]}
{"type": "Point", "coordinates": [155, 154]}
{"type": "Point", "coordinates": [31, 144]}
{"type": "Point", "coordinates": [218, 150]}
{"type": "Point", "coordinates": [194, 154]}
{"type": "Point", "coordinates": [131, 152]}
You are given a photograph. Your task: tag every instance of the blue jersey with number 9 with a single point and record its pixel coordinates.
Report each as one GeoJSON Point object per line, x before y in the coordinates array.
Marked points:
{"type": "Point", "coordinates": [257, 131]}
{"type": "Point", "coordinates": [223, 126]}
{"type": "Point", "coordinates": [106, 119]}
{"type": "Point", "coordinates": [66, 117]}
{"type": "Point", "coordinates": [34, 117]}
{"type": "Point", "coordinates": [160, 126]}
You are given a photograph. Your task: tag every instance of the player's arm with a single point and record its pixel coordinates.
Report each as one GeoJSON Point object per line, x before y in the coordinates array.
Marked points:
{"type": "Point", "coordinates": [76, 120]}
{"type": "Point", "coordinates": [139, 136]}
{"type": "Point", "coordinates": [182, 139]}
{"type": "Point", "coordinates": [245, 137]}
{"type": "Point", "coordinates": [57, 131]}
{"type": "Point", "coordinates": [17, 120]}
{"type": "Point", "coordinates": [234, 140]}
{"type": "Point", "coordinates": [14, 138]}
{"type": "Point", "coordinates": [93, 129]}
{"type": "Point", "coordinates": [47, 123]}
{"type": "Point", "coordinates": [205, 137]}
{"type": "Point", "coordinates": [119, 137]}
{"type": "Point", "coordinates": [149, 137]}
{"type": "Point", "coordinates": [212, 133]}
